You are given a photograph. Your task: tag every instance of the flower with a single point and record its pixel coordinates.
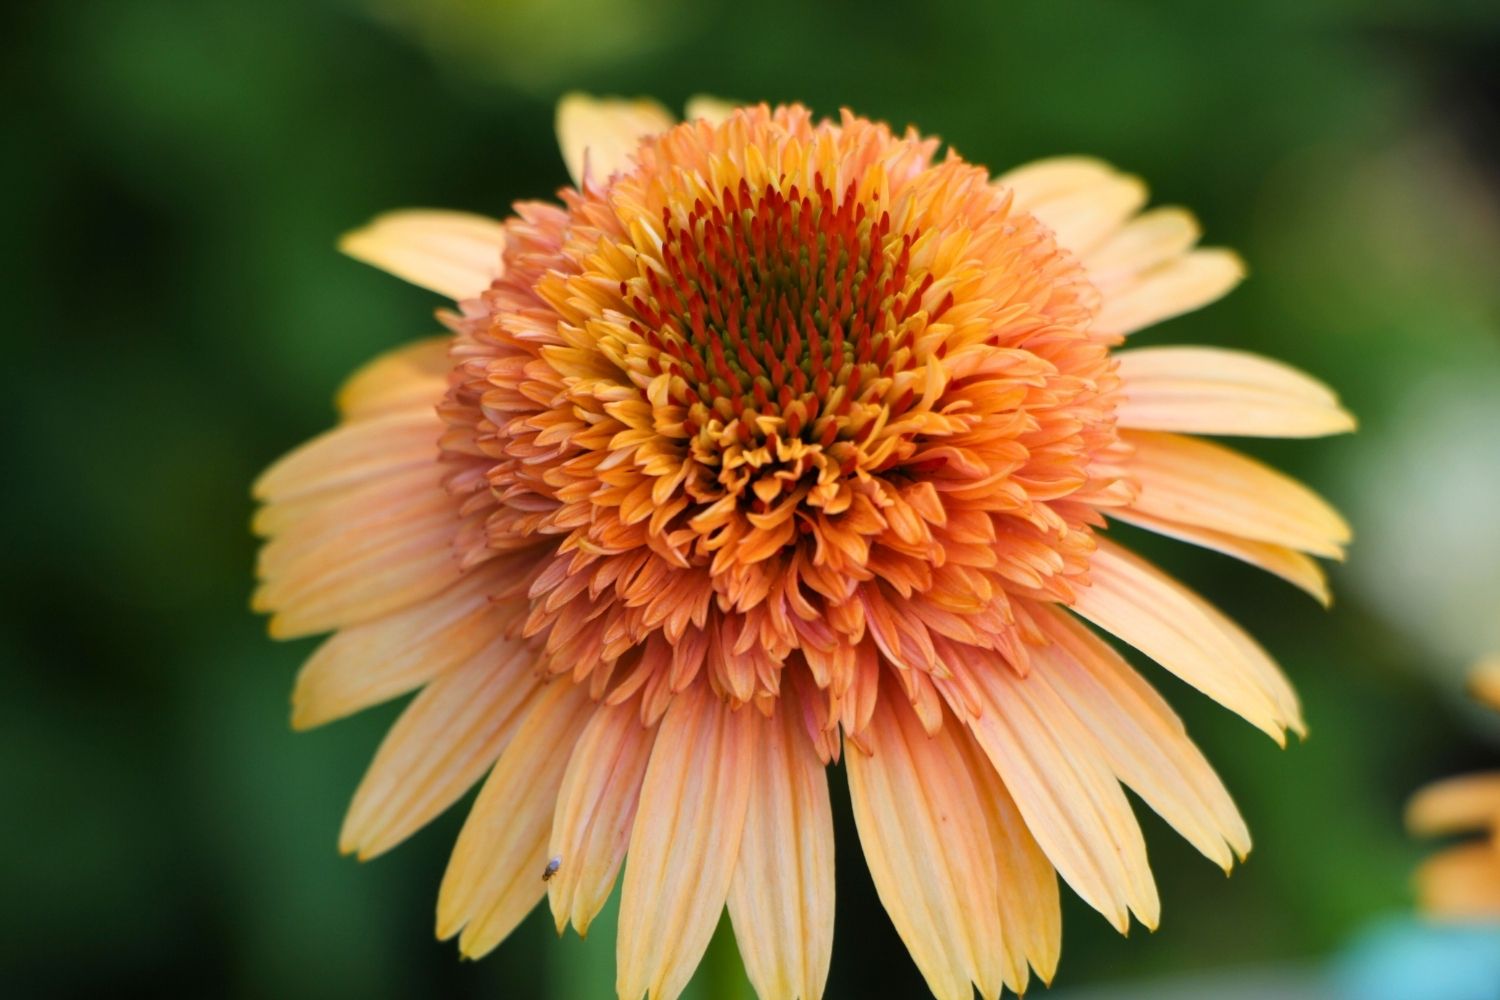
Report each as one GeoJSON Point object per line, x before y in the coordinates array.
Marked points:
{"type": "Point", "coordinates": [1462, 882]}
{"type": "Point", "coordinates": [779, 440]}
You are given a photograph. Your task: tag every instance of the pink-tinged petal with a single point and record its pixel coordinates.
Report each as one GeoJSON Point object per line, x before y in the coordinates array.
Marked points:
{"type": "Point", "coordinates": [599, 136]}
{"type": "Point", "coordinates": [781, 898]}
{"type": "Point", "coordinates": [1194, 482]}
{"type": "Point", "coordinates": [926, 842]}
{"type": "Point", "coordinates": [596, 812]}
{"type": "Point", "coordinates": [1484, 682]}
{"type": "Point", "coordinates": [1082, 201]}
{"type": "Point", "coordinates": [443, 743]}
{"type": "Point", "coordinates": [1143, 740]}
{"type": "Point", "coordinates": [455, 254]}
{"type": "Point", "coordinates": [354, 454]}
{"type": "Point", "coordinates": [1289, 564]}
{"type": "Point", "coordinates": [1211, 390]}
{"type": "Point", "coordinates": [1180, 285]}
{"type": "Point", "coordinates": [367, 664]}
{"type": "Point", "coordinates": [1150, 239]}
{"type": "Point", "coordinates": [1461, 883]}
{"type": "Point", "coordinates": [685, 843]}
{"type": "Point", "coordinates": [1030, 907]}
{"type": "Point", "coordinates": [1064, 789]}
{"type": "Point", "coordinates": [410, 377]}
{"type": "Point", "coordinates": [494, 877]}
{"type": "Point", "coordinates": [1456, 805]}
{"type": "Point", "coordinates": [1144, 607]}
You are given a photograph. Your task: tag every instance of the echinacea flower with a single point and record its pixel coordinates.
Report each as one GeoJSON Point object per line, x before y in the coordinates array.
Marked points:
{"type": "Point", "coordinates": [780, 439]}
{"type": "Point", "coordinates": [1463, 881]}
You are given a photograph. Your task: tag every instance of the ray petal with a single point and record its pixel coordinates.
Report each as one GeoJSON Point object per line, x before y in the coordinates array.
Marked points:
{"type": "Point", "coordinates": [1198, 483]}
{"type": "Point", "coordinates": [926, 842]}
{"type": "Point", "coordinates": [596, 812]}
{"type": "Point", "coordinates": [599, 136]}
{"type": "Point", "coordinates": [456, 254]}
{"type": "Point", "coordinates": [494, 877]}
{"type": "Point", "coordinates": [781, 899]}
{"type": "Point", "coordinates": [1137, 602]}
{"type": "Point", "coordinates": [685, 842]}
{"type": "Point", "coordinates": [443, 743]}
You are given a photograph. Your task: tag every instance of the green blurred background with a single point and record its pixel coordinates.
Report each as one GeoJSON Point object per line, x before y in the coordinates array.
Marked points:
{"type": "Point", "coordinates": [178, 316]}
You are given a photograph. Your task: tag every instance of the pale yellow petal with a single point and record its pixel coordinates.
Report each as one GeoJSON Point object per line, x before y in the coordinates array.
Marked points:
{"type": "Point", "coordinates": [1211, 390]}
{"type": "Point", "coordinates": [1064, 789]}
{"type": "Point", "coordinates": [926, 843]}
{"type": "Point", "coordinates": [596, 812]}
{"type": "Point", "coordinates": [1083, 202]}
{"type": "Point", "coordinates": [1145, 746]}
{"type": "Point", "coordinates": [443, 743]}
{"type": "Point", "coordinates": [1144, 607]}
{"type": "Point", "coordinates": [1150, 239]}
{"type": "Point", "coordinates": [1484, 682]}
{"type": "Point", "coordinates": [1461, 883]}
{"type": "Point", "coordinates": [409, 377]}
{"type": "Point", "coordinates": [599, 136]}
{"type": "Point", "coordinates": [399, 571]}
{"type": "Point", "coordinates": [1195, 482]}
{"type": "Point", "coordinates": [781, 898]}
{"type": "Point", "coordinates": [366, 664]}
{"type": "Point", "coordinates": [354, 454]}
{"type": "Point", "coordinates": [455, 254]}
{"type": "Point", "coordinates": [711, 109]}
{"type": "Point", "coordinates": [685, 842]}
{"type": "Point", "coordinates": [494, 877]}
{"type": "Point", "coordinates": [1030, 906]}
{"type": "Point", "coordinates": [1456, 805]}
{"type": "Point", "coordinates": [1180, 285]}
{"type": "Point", "coordinates": [1289, 564]}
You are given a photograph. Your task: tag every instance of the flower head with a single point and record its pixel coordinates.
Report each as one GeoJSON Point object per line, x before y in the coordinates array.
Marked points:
{"type": "Point", "coordinates": [1463, 881]}
{"type": "Point", "coordinates": [780, 440]}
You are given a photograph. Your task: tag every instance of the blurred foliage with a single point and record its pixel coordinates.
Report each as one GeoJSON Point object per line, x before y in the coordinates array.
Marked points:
{"type": "Point", "coordinates": [178, 317]}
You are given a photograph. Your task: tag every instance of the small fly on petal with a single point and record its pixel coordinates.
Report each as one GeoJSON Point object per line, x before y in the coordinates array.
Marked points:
{"type": "Point", "coordinates": [551, 869]}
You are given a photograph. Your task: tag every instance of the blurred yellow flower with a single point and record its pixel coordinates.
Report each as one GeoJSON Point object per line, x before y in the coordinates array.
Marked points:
{"type": "Point", "coordinates": [1463, 881]}
{"type": "Point", "coordinates": [780, 439]}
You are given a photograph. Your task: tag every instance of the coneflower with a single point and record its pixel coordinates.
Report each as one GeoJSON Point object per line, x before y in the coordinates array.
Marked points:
{"type": "Point", "coordinates": [778, 440]}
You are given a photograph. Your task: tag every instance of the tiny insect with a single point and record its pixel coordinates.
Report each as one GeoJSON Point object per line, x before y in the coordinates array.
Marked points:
{"type": "Point", "coordinates": [551, 869]}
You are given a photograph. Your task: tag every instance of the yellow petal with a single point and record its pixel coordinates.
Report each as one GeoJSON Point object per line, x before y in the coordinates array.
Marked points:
{"type": "Point", "coordinates": [494, 877]}
{"type": "Point", "coordinates": [1456, 805]}
{"type": "Point", "coordinates": [455, 254]}
{"type": "Point", "coordinates": [354, 454]}
{"type": "Point", "coordinates": [1064, 789]}
{"type": "Point", "coordinates": [367, 664]}
{"type": "Point", "coordinates": [1178, 629]}
{"type": "Point", "coordinates": [1484, 682]}
{"type": "Point", "coordinates": [1197, 483]}
{"type": "Point", "coordinates": [443, 743]}
{"type": "Point", "coordinates": [1461, 883]}
{"type": "Point", "coordinates": [1289, 564]}
{"type": "Point", "coordinates": [1141, 738]}
{"type": "Point", "coordinates": [410, 377]}
{"type": "Point", "coordinates": [926, 842]}
{"type": "Point", "coordinates": [711, 109]}
{"type": "Point", "coordinates": [1210, 390]}
{"type": "Point", "coordinates": [1030, 908]}
{"type": "Point", "coordinates": [599, 136]}
{"type": "Point", "coordinates": [1150, 239]}
{"type": "Point", "coordinates": [781, 896]}
{"type": "Point", "coordinates": [596, 812]}
{"type": "Point", "coordinates": [685, 842]}
{"type": "Point", "coordinates": [1180, 285]}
